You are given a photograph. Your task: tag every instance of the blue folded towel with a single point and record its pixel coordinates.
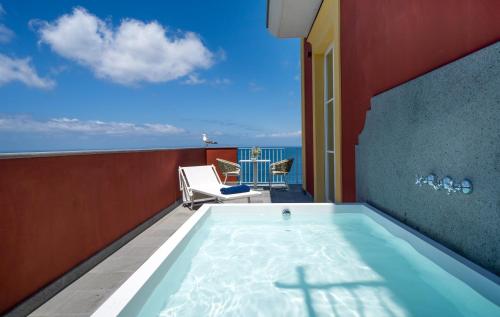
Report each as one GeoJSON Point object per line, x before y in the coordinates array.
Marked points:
{"type": "Point", "coordinates": [235, 189]}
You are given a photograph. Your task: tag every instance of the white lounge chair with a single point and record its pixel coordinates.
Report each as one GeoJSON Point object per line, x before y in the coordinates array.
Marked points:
{"type": "Point", "coordinates": [202, 183]}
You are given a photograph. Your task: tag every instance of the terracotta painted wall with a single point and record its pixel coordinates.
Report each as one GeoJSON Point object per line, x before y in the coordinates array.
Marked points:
{"type": "Point", "coordinates": [387, 42]}
{"type": "Point", "coordinates": [229, 154]}
{"type": "Point", "coordinates": [308, 118]}
{"type": "Point", "coordinates": [57, 211]}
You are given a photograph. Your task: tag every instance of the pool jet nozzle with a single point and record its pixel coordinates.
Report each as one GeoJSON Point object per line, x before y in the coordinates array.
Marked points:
{"type": "Point", "coordinates": [286, 213]}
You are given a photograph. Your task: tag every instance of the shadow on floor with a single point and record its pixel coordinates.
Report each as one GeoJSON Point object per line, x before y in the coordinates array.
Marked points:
{"type": "Point", "coordinates": [294, 195]}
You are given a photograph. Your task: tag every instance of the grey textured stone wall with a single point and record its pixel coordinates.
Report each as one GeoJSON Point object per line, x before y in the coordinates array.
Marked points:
{"type": "Point", "coordinates": [446, 122]}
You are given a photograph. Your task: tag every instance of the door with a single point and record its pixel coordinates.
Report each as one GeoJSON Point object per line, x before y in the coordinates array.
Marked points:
{"type": "Point", "coordinates": [329, 128]}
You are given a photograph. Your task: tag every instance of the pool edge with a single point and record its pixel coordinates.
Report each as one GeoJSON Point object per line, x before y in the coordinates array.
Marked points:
{"type": "Point", "coordinates": [453, 263]}
{"type": "Point", "coordinates": [460, 267]}
{"type": "Point", "coordinates": [115, 304]}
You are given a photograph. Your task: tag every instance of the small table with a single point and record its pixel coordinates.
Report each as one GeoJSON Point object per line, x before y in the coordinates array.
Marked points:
{"type": "Point", "coordinates": [255, 168]}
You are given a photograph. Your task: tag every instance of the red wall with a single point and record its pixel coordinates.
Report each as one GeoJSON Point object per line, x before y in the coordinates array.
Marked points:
{"type": "Point", "coordinates": [229, 154]}
{"type": "Point", "coordinates": [388, 42]}
{"type": "Point", "coordinates": [57, 211]}
{"type": "Point", "coordinates": [308, 118]}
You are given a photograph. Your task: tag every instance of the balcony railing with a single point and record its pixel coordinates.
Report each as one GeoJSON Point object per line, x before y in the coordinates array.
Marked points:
{"type": "Point", "coordinates": [273, 154]}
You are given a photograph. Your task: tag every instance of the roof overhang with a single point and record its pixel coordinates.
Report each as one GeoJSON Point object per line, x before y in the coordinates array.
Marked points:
{"type": "Point", "coordinates": [291, 18]}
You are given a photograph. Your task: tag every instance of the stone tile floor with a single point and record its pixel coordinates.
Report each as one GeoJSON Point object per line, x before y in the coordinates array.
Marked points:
{"type": "Point", "coordinates": [86, 294]}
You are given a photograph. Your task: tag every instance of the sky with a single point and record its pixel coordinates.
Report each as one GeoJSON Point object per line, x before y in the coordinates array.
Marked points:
{"type": "Point", "coordinates": [81, 75]}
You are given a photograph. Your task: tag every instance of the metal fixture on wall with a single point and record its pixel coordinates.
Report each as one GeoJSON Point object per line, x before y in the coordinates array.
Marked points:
{"type": "Point", "coordinates": [447, 183]}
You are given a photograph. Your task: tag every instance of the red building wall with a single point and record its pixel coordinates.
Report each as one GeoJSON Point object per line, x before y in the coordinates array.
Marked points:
{"type": "Point", "coordinates": [385, 43]}
{"type": "Point", "coordinates": [308, 118]}
{"type": "Point", "coordinates": [57, 211]}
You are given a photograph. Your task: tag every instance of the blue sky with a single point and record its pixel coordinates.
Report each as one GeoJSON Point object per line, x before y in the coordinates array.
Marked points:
{"type": "Point", "coordinates": [98, 75]}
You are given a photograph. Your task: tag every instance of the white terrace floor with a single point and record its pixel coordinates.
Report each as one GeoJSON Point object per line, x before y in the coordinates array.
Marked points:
{"type": "Point", "coordinates": [86, 294]}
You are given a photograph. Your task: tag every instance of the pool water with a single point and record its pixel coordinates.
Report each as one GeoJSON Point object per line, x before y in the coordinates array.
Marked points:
{"type": "Point", "coordinates": [313, 264]}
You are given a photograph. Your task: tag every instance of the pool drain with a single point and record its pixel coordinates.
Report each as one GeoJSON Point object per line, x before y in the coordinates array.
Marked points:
{"type": "Point", "coordinates": [286, 213]}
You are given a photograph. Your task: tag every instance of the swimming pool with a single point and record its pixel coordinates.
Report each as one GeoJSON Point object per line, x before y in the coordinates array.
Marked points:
{"type": "Point", "coordinates": [324, 260]}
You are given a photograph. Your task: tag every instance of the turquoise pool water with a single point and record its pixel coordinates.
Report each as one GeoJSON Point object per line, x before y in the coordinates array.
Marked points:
{"type": "Point", "coordinates": [314, 264]}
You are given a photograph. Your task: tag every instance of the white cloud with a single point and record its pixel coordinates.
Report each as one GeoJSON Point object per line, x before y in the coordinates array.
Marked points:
{"type": "Point", "coordinates": [281, 134]}
{"type": "Point", "coordinates": [56, 70]}
{"type": "Point", "coordinates": [221, 54]}
{"type": "Point", "coordinates": [194, 79]}
{"type": "Point", "coordinates": [6, 34]}
{"type": "Point", "coordinates": [12, 69]}
{"type": "Point", "coordinates": [72, 125]}
{"type": "Point", "coordinates": [18, 69]}
{"type": "Point", "coordinates": [222, 81]}
{"type": "Point", "coordinates": [133, 52]}
{"type": "Point", "coordinates": [157, 128]}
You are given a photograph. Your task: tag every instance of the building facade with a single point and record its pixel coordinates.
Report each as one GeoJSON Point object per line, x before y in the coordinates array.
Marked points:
{"type": "Point", "coordinates": [354, 50]}
{"type": "Point", "coordinates": [393, 89]}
